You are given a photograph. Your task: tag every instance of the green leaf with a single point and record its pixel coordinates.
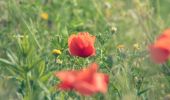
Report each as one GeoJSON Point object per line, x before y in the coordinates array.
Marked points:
{"type": "Point", "coordinates": [6, 62]}
{"type": "Point", "coordinates": [41, 68]}
{"type": "Point", "coordinates": [12, 57]}
{"type": "Point", "coordinates": [46, 77]}
{"type": "Point", "coordinates": [143, 91]}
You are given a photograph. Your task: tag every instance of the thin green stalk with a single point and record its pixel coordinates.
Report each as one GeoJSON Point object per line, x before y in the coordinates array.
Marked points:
{"type": "Point", "coordinates": [28, 88]}
{"type": "Point", "coordinates": [158, 8]}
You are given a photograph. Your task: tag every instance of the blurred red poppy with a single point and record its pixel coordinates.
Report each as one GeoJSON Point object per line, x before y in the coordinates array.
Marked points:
{"type": "Point", "coordinates": [165, 34]}
{"type": "Point", "coordinates": [86, 81]}
{"type": "Point", "coordinates": [160, 50]}
{"type": "Point", "coordinates": [82, 45]}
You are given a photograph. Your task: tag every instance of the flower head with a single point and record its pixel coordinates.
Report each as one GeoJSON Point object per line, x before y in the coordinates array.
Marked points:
{"type": "Point", "coordinates": [58, 61]}
{"type": "Point", "coordinates": [121, 46]}
{"type": "Point", "coordinates": [86, 81]}
{"type": "Point", "coordinates": [160, 50]}
{"type": "Point", "coordinates": [82, 45]}
{"type": "Point", "coordinates": [56, 52]}
{"type": "Point", "coordinates": [44, 15]}
{"type": "Point", "coordinates": [136, 46]}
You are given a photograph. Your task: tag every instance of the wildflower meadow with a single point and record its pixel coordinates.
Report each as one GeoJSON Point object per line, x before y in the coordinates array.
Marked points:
{"type": "Point", "coordinates": [84, 50]}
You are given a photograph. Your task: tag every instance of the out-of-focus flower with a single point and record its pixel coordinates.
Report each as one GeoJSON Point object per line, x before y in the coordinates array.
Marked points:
{"type": "Point", "coordinates": [121, 46]}
{"type": "Point", "coordinates": [86, 81]}
{"type": "Point", "coordinates": [113, 29]}
{"type": "Point", "coordinates": [82, 45]}
{"type": "Point", "coordinates": [160, 50]}
{"type": "Point", "coordinates": [165, 34]}
{"type": "Point", "coordinates": [44, 15]}
{"type": "Point", "coordinates": [136, 46]}
{"type": "Point", "coordinates": [56, 52]}
{"type": "Point", "coordinates": [58, 61]}
{"type": "Point", "coordinates": [107, 5]}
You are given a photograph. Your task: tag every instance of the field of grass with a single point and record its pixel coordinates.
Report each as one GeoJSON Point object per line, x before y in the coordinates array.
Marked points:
{"type": "Point", "coordinates": [31, 29]}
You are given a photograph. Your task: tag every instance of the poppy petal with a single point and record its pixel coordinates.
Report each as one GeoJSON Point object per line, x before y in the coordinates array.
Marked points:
{"type": "Point", "coordinates": [85, 88]}
{"type": "Point", "coordinates": [101, 81]}
{"type": "Point", "coordinates": [159, 55]}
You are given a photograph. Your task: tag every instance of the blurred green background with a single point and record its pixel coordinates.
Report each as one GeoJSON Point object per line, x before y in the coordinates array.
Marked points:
{"type": "Point", "coordinates": [123, 28]}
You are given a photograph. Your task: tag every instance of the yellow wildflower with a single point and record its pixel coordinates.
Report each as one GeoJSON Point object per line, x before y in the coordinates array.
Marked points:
{"type": "Point", "coordinates": [113, 29]}
{"type": "Point", "coordinates": [44, 15]}
{"type": "Point", "coordinates": [59, 61]}
{"type": "Point", "coordinates": [136, 46]}
{"type": "Point", "coordinates": [56, 52]}
{"type": "Point", "coordinates": [120, 46]}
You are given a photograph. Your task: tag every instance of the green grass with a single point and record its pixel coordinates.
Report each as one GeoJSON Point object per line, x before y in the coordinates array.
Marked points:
{"type": "Point", "coordinates": [27, 65]}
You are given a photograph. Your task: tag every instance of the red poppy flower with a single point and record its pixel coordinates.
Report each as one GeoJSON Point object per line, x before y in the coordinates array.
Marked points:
{"type": "Point", "coordinates": [86, 81]}
{"type": "Point", "coordinates": [82, 45]}
{"type": "Point", "coordinates": [165, 34]}
{"type": "Point", "coordinates": [160, 50]}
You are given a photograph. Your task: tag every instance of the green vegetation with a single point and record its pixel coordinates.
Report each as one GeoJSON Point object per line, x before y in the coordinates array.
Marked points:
{"type": "Point", "coordinates": [123, 29]}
